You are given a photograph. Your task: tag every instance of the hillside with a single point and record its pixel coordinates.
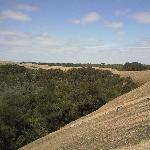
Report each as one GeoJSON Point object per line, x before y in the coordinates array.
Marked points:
{"type": "Point", "coordinates": [137, 76]}
{"type": "Point", "coordinates": [123, 123]}
{"type": "Point", "coordinates": [34, 103]}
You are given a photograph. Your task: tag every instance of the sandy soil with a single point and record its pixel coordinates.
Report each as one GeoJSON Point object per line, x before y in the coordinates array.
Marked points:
{"type": "Point", "coordinates": [144, 145]}
{"type": "Point", "coordinates": [137, 76]}
{"type": "Point", "coordinates": [6, 62]}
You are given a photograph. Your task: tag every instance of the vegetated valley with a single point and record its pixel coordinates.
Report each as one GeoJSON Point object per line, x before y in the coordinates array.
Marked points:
{"type": "Point", "coordinates": [34, 103]}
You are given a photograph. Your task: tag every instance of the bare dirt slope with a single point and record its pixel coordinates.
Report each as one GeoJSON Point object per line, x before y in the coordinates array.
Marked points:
{"type": "Point", "coordinates": [121, 124]}
{"type": "Point", "coordinates": [137, 76]}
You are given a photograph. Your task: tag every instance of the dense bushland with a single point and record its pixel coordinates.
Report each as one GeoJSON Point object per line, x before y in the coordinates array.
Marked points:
{"type": "Point", "coordinates": [135, 66]}
{"type": "Point", "coordinates": [34, 103]}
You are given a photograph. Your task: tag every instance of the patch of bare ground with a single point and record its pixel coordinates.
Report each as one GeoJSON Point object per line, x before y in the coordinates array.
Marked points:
{"type": "Point", "coordinates": [46, 67]}
{"type": "Point", "coordinates": [137, 76]}
{"type": "Point", "coordinates": [145, 145]}
{"type": "Point", "coordinates": [6, 62]}
{"type": "Point", "coordinates": [121, 124]}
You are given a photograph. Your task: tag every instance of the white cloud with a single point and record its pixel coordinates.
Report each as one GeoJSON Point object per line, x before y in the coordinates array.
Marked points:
{"type": "Point", "coordinates": [19, 41]}
{"type": "Point", "coordinates": [141, 44]}
{"type": "Point", "coordinates": [7, 33]}
{"type": "Point", "coordinates": [27, 7]}
{"type": "Point", "coordinates": [115, 25]}
{"type": "Point", "coordinates": [120, 34]}
{"type": "Point", "coordinates": [20, 46]}
{"type": "Point", "coordinates": [14, 15]}
{"type": "Point", "coordinates": [27, 40]}
{"type": "Point", "coordinates": [89, 18]}
{"type": "Point", "coordinates": [76, 21]}
{"type": "Point", "coordinates": [142, 17]}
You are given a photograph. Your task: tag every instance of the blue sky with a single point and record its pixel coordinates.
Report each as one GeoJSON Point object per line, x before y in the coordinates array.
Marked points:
{"type": "Point", "coordinates": [78, 31]}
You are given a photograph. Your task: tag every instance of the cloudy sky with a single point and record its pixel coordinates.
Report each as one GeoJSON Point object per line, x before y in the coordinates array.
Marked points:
{"type": "Point", "coordinates": [78, 31]}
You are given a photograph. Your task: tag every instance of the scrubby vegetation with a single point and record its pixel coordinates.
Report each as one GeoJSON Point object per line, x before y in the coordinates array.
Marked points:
{"type": "Point", "coordinates": [133, 66]}
{"type": "Point", "coordinates": [34, 103]}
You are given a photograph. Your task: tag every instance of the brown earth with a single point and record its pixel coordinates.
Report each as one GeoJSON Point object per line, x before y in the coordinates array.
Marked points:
{"type": "Point", "coordinates": [137, 76]}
